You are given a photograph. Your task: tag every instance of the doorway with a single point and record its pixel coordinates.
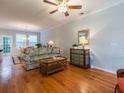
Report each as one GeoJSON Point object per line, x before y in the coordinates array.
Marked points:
{"type": "Point", "coordinates": [7, 44]}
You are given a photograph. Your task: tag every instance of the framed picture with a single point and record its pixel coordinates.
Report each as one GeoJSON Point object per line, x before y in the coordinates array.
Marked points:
{"type": "Point", "coordinates": [83, 37]}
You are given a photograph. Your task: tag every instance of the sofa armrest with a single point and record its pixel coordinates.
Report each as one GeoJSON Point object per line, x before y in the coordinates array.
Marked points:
{"type": "Point", "coordinates": [120, 73]}
{"type": "Point", "coordinates": [22, 55]}
{"type": "Point", "coordinates": [26, 58]}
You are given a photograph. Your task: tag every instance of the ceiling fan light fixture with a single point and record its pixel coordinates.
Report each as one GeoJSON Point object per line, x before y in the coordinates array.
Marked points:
{"type": "Point", "coordinates": [63, 6]}
{"type": "Point", "coordinates": [62, 9]}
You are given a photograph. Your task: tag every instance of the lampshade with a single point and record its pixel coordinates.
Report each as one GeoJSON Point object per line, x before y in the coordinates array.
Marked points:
{"type": "Point", "coordinates": [50, 42]}
{"type": "Point", "coordinates": [83, 41]}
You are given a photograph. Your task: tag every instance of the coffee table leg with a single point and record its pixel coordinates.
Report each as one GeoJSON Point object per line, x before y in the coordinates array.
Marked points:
{"type": "Point", "coordinates": [40, 69]}
{"type": "Point", "coordinates": [46, 70]}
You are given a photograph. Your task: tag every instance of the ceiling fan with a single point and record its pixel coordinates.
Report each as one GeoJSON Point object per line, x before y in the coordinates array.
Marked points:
{"type": "Point", "coordinates": [63, 6]}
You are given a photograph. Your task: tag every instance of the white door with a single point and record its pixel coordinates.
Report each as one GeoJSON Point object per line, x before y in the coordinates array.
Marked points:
{"type": "Point", "coordinates": [7, 44]}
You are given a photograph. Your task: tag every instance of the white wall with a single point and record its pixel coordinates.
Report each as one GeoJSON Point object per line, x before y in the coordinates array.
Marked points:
{"type": "Point", "coordinates": [13, 34]}
{"type": "Point", "coordinates": [107, 35]}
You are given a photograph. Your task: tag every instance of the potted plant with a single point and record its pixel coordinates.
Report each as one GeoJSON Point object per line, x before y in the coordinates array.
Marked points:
{"type": "Point", "coordinates": [75, 45]}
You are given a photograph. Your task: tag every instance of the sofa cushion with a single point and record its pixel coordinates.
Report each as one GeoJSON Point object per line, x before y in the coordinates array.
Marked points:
{"type": "Point", "coordinates": [53, 55]}
{"type": "Point", "coordinates": [42, 51]}
{"type": "Point", "coordinates": [27, 50]}
{"type": "Point", "coordinates": [49, 50]}
{"type": "Point", "coordinates": [121, 83]}
{"type": "Point", "coordinates": [36, 58]}
{"type": "Point", "coordinates": [56, 50]}
{"type": "Point", "coordinates": [34, 52]}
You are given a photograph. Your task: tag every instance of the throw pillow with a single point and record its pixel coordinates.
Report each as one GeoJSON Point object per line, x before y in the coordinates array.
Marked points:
{"type": "Point", "coordinates": [56, 50]}
{"type": "Point", "coordinates": [49, 50]}
{"type": "Point", "coordinates": [42, 51]}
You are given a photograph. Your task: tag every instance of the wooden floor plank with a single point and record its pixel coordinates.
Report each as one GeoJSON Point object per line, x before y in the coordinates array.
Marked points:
{"type": "Point", "coordinates": [14, 79]}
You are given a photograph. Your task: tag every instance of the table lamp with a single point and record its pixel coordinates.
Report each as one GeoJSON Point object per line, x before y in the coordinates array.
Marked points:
{"type": "Point", "coordinates": [51, 43]}
{"type": "Point", "coordinates": [83, 41]}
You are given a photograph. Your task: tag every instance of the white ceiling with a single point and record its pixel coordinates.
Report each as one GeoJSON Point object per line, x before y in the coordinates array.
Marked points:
{"type": "Point", "coordinates": [34, 14]}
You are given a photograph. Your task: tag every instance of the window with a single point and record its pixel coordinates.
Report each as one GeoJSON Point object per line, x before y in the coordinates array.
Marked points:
{"type": "Point", "coordinates": [21, 40]}
{"type": "Point", "coordinates": [32, 40]}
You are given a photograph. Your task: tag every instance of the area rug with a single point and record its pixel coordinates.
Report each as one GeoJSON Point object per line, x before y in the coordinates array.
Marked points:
{"type": "Point", "coordinates": [16, 60]}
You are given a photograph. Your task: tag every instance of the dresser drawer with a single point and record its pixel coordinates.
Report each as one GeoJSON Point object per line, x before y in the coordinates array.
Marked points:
{"type": "Point", "coordinates": [75, 51]}
{"type": "Point", "coordinates": [75, 56]}
{"type": "Point", "coordinates": [80, 57]}
{"type": "Point", "coordinates": [81, 63]}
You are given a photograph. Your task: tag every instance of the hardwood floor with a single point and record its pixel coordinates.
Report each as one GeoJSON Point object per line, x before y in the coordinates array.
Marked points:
{"type": "Point", "coordinates": [14, 79]}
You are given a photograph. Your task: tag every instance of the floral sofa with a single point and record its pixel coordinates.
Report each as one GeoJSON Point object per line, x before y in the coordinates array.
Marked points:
{"type": "Point", "coordinates": [30, 56]}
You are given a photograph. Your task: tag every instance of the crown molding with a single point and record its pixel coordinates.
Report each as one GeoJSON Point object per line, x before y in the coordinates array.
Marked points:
{"type": "Point", "coordinates": [15, 30]}
{"type": "Point", "coordinates": [103, 9]}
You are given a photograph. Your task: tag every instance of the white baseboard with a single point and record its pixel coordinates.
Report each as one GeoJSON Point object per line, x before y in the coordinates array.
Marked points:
{"type": "Point", "coordinates": [110, 71]}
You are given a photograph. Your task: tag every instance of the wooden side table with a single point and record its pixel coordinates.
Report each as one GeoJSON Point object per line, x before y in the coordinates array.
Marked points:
{"type": "Point", "coordinates": [51, 65]}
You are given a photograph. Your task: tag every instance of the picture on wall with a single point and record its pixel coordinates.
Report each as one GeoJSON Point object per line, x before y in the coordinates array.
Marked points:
{"type": "Point", "coordinates": [83, 37]}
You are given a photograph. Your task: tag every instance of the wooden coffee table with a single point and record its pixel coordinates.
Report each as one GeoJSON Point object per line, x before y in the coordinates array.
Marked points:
{"type": "Point", "coordinates": [53, 64]}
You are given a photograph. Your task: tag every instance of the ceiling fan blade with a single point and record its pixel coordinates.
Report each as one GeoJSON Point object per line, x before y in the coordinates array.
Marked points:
{"type": "Point", "coordinates": [53, 11]}
{"type": "Point", "coordinates": [60, 0]}
{"type": "Point", "coordinates": [66, 14]}
{"type": "Point", "coordinates": [46, 1]}
{"type": "Point", "coordinates": [67, 0]}
{"type": "Point", "coordinates": [75, 6]}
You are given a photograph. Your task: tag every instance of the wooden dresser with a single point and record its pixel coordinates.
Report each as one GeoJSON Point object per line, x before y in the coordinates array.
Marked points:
{"type": "Point", "coordinates": [80, 57]}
